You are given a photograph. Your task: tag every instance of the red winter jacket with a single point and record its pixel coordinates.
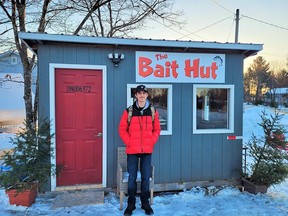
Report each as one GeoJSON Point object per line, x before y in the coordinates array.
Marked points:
{"type": "Point", "coordinates": [141, 135]}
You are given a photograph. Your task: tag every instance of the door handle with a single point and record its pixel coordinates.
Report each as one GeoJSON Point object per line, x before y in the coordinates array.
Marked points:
{"type": "Point", "coordinates": [98, 135]}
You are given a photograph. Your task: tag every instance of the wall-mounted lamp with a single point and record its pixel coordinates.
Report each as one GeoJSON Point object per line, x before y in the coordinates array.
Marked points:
{"type": "Point", "coordinates": [116, 58]}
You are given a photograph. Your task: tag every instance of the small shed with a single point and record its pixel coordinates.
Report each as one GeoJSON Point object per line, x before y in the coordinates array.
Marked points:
{"type": "Point", "coordinates": [85, 83]}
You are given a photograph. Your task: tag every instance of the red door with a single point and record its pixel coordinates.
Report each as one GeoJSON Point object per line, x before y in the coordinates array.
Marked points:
{"type": "Point", "coordinates": [78, 120]}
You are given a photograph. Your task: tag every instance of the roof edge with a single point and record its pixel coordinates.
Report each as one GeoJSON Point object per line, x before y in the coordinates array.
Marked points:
{"type": "Point", "coordinates": [38, 37]}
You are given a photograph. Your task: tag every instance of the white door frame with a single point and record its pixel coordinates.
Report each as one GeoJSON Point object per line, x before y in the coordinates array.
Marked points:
{"type": "Point", "coordinates": [52, 67]}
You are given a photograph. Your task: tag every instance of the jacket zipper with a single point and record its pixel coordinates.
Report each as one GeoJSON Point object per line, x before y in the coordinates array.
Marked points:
{"type": "Point", "coordinates": [140, 124]}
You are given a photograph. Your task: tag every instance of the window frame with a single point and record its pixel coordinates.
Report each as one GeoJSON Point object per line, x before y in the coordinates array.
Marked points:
{"type": "Point", "coordinates": [169, 102]}
{"type": "Point", "coordinates": [13, 60]}
{"type": "Point", "coordinates": [230, 103]}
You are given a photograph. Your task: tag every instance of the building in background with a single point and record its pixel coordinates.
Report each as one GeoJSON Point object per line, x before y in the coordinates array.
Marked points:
{"type": "Point", "coordinates": [12, 107]}
{"type": "Point", "coordinates": [277, 95]}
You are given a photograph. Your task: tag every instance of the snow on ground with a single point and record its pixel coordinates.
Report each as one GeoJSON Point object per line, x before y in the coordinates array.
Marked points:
{"type": "Point", "coordinates": [5, 140]}
{"type": "Point", "coordinates": [251, 116]}
{"type": "Point", "coordinates": [228, 201]}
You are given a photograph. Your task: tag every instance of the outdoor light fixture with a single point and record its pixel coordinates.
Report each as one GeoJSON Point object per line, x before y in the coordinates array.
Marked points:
{"type": "Point", "coordinates": [116, 58]}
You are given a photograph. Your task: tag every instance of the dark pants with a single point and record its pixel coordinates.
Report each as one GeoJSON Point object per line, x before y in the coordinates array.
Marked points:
{"type": "Point", "coordinates": [145, 169]}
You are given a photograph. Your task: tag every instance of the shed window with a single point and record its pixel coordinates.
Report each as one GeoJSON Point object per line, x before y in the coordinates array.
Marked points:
{"type": "Point", "coordinates": [213, 109]}
{"type": "Point", "coordinates": [13, 60]}
{"type": "Point", "coordinates": [161, 97]}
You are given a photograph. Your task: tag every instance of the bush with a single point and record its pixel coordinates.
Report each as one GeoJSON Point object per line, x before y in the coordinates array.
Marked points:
{"type": "Point", "coordinates": [30, 160]}
{"type": "Point", "coordinates": [274, 104]}
{"type": "Point", "coordinates": [269, 159]}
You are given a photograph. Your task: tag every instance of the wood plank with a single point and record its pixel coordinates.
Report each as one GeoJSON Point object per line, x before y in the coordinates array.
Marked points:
{"type": "Point", "coordinates": [189, 185]}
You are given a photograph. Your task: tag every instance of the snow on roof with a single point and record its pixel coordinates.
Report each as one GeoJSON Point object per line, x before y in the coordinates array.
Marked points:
{"type": "Point", "coordinates": [33, 39]}
{"type": "Point", "coordinates": [9, 53]}
{"type": "Point", "coordinates": [278, 91]}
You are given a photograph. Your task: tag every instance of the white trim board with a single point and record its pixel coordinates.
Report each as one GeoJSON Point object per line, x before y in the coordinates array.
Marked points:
{"type": "Point", "coordinates": [52, 67]}
{"type": "Point", "coordinates": [230, 104]}
{"type": "Point", "coordinates": [169, 103]}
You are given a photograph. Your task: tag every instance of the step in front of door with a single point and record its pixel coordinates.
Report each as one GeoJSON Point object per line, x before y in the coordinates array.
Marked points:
{"type": "Point", "coordinates": [78, 198]}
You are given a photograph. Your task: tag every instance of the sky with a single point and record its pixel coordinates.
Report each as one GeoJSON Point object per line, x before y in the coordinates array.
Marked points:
{"type": "Point", "coordinates": [261, 22]}
{"type": "Point", "coordinates": [228, 201]}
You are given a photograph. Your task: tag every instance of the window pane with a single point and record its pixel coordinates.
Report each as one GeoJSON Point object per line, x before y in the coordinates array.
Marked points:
{"type": "Point", "coordinates": [159, 98]}
{"type": "Point", "coordinates": [212, 108]}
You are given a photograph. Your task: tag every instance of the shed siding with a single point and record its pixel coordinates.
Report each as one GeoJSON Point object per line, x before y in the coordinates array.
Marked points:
{"type": "Point", "coordinates": [180, 157]}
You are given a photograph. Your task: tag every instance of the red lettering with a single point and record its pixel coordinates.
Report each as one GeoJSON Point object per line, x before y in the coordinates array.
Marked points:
{"type": "Point", "coordinates": [167, 70]}
{"type": "Point", "coordinates": [205, 75]}
{"type": "Point", "coordinates": [214, 67]}
{"type": "Point", "coordinates": [174, 66]}
{"type": "Point", "coordinates": [160, 56]}
{"type": "Point", "coordinates": [171, 66]}
{"type": "Point", "coordinates": [144, 68]}
{"type": "Point", "coordinates": [159, 71]}
{"type": "Point", "coordinates": [205, 72]}
{"type": "Point", "coordinates": [194, 68]}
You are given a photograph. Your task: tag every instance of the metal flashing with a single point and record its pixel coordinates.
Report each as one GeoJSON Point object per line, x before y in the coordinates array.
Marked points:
{"type": "Point", "coordinates": [33, 39]}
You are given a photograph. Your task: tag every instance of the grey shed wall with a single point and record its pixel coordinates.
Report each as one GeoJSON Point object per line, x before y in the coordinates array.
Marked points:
{"type": "Point", "coordinates": [180, 157]}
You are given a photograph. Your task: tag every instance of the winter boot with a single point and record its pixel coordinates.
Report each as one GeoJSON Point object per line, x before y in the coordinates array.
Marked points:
{"type": "Point", "coordinates": [131, 206]}
{"type": "Point", "coordinates": [128, 211]}
{"type": "Point", "coordinates": [147, 208]}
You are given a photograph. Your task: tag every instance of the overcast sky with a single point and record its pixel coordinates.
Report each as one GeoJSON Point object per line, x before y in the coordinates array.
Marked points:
{"type": "Point", "coordinates": [261, 22]}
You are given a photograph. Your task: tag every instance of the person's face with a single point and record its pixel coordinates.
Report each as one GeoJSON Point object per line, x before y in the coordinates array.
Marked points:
{"type": "Point", "coordinates": [141, 96]}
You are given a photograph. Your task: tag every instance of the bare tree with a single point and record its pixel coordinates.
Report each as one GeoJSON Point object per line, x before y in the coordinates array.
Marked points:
{"type": "Point", "coordinates": [98, 17]}
{"type": "Point", "coordinates": [121, 18]}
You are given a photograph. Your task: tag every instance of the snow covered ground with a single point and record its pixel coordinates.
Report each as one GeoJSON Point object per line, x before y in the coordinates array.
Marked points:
{"type": "Point", "coordinates": [227, 201]}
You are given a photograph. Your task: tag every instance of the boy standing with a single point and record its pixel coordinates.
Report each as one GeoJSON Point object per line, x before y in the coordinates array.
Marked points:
{"type": "Point", "coordinates": [139, 128]}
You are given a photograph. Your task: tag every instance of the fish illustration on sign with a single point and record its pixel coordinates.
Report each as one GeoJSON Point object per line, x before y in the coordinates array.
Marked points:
{"type": "Point", "coordinates": [219, 60]}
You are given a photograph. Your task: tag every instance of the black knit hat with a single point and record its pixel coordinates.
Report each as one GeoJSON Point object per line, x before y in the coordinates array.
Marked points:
{"type": "Point", "coordinates": [141, 88]}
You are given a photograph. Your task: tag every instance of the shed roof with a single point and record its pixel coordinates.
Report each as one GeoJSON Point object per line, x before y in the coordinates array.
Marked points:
{"type": "Point", "coordinates": [280, 91]}
{"type": "Point", "coordinates": [9, 53]}
{"type": "Point", "coordinates": [34, 39]}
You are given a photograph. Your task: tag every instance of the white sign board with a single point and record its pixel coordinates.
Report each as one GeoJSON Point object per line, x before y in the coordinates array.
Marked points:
{"type": "Point", "coordinates": [180, 67]}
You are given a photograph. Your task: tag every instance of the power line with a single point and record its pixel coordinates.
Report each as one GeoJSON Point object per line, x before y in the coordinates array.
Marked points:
{"type": "Point", "coordinates": [178, 31]}
{"type": "Point", "coordinates": [271, 24]}
{"type": "Point", "coordinates": [230, 30]}
{"type": "Point", "coordinates": [211, 25]}
{"type": "Point", "coordinates": [204, 27]}
{"type": "Point", "coordinates": [277, 26]}
{"type": "Point", "coordinates": [222, 7]}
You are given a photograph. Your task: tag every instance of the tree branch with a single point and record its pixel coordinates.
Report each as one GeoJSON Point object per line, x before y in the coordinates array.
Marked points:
{"type": "Point", "coordinates": [7, 30]}
{"type": "Point", "coordinates": [42, 22]}
{"type": "Point", "coordinates": [94, 7]}
{"type": "Point", "coordinates": [8, 78]}
{"type": "Point", "coordinates": [5, 10]}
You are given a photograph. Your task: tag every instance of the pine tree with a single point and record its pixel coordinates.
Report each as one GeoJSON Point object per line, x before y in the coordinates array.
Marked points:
{"type": "Point", "coordinates": [29, 162]}
{"type": "Point", "coordinates": [268, 152]}
{"type": "Point", "coordinates": [257, 78]}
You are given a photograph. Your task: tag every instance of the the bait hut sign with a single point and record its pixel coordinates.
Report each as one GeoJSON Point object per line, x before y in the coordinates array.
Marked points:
{"type": "Point", "coordinates": [180, 67]}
